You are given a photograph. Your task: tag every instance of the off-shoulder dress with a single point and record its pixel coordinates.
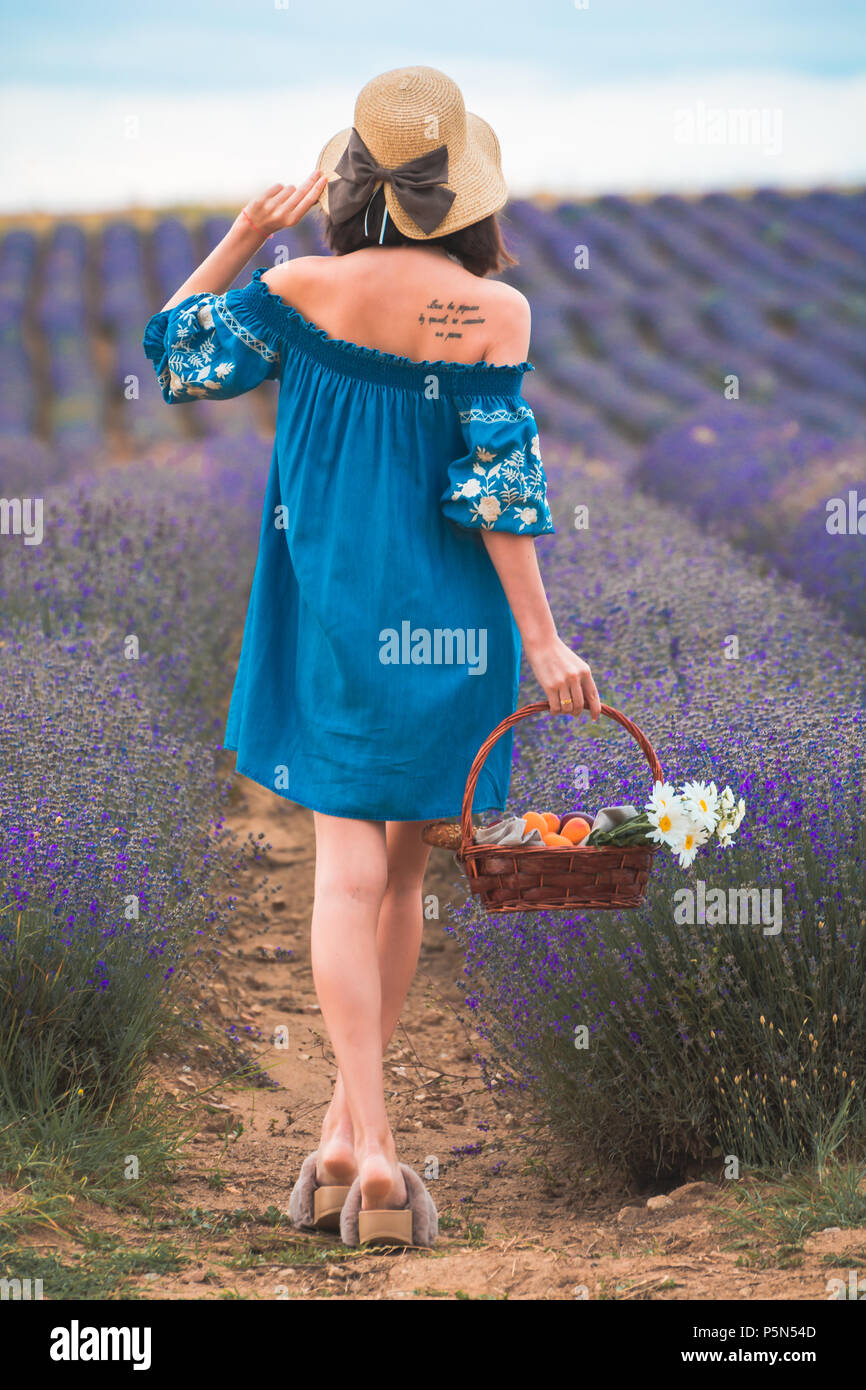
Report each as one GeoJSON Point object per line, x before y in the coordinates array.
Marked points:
{"type": "Point", "coordinates": [379, 649]}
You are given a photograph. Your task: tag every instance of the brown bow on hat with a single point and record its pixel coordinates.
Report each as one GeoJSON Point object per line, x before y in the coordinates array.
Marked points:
{"type": "Point", "coordinates": [417, 184]}
{"type": "Point", "coordinates": [413, 134]}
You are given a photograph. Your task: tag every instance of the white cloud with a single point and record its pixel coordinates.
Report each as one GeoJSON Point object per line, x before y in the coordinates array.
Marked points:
{"type": "Point", "coordinates": [72, 150]}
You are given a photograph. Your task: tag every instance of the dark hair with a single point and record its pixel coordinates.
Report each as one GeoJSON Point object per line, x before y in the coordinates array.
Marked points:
{"type": "Point", "coordinates": [479, 247]}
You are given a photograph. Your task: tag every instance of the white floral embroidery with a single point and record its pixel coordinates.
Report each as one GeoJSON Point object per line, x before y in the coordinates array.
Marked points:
{"type": "Point", "coordinates": [489, 509]}
{"type": "Point", "coordinates": [511, 484]}
{"type": "Point", "coordinates": [195, 367]}
{"type": "Point", "coordinates": [191, 388]}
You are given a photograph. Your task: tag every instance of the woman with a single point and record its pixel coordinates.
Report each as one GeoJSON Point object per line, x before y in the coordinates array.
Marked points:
{"type": "Point", "coordinates": [396, 578]}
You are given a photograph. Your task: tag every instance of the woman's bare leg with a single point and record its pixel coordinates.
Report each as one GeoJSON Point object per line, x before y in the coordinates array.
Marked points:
{"type": "Point", "coordinates": [401, 919]}
{"type": "Point", "coordinates": [399, 928]}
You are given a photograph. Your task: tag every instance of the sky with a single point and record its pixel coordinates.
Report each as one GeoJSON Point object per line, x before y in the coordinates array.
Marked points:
{"type": "Point", "coordinates": [106, 105]}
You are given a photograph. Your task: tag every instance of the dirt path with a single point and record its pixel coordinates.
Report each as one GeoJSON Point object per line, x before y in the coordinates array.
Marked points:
{"type": "Point", "coordinates": [508, 1229]}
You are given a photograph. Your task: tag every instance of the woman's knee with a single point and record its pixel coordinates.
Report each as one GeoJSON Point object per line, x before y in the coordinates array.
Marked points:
{"type": "Point", "coordinates": [407, 858]}
{"type": "Point", "coordinates": [404, 881]}
{"type": "Point", "coordinates": [362, 880]}
{"type": "Point", "coordinates": [351, 860]}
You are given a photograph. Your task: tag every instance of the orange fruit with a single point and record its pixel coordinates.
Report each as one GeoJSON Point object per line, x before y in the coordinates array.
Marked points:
{"type": "Point", "coordinates": [555, 841]}
{"type": "Point", "coordinates": [575, 830]}
{"type": "Point", "coordinates": [552, 820]}
{"type": "Point", "coordinates": [536, 822]}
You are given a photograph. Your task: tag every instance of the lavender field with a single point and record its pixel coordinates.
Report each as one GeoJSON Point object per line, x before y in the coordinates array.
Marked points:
{"type": "Point", "coordinates": [642, 310]}
{"type": "Point", "coordinates": [701, 395]}
{"type": "Point", "coordinates": [715, 347]}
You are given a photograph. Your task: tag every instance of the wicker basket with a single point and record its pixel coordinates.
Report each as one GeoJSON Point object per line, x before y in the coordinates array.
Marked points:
{"type": "Point", "coordinates": [520, 877]}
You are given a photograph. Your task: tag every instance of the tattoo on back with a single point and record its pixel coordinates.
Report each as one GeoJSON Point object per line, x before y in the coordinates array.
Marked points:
{"type": "Point", "coordinates": [448, 320]}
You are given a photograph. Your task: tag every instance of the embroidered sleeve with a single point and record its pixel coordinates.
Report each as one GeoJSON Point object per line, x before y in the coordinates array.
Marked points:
{"type": "Point", "coordinates": [212, 346]}
{"type": "Point", "coordinates": [500, 483]}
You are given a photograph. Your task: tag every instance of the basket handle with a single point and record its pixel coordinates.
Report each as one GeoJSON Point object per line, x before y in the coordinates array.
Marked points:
{"type": "Point", "coordinates": [536, 707]}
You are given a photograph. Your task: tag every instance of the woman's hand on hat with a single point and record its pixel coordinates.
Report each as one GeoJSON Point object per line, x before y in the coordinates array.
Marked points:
{"type": "Point", "coordinates": [283, 205]}
{"type": "Point", "coordinates": [563, 676]}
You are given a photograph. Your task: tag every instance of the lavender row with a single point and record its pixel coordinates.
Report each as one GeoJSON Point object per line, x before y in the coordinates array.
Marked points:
{"type": "Point", "coordinates": [642, 311]}
{"type": "Point", "coordinates": [794, 495]}
{"type": "Point", "coordinates": [112, 668]}
{"type": "Point", "coordinates": [735, 676]}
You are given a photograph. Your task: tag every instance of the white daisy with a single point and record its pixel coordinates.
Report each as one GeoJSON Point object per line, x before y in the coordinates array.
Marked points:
{"type": "Point", "coordinates": [701, 802]}
{"type": "Point", "coordinates": [690, 841]}
{"type": "Point", "coordinates": [666, 816]}
{"type": "Point", "coordinates": [730, 821]}
{"type": "Point", "coordinates": [662, 796]}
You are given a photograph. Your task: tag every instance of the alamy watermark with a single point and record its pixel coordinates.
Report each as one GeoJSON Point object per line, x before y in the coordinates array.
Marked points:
{"type": "Point", "coordinates": [729, 907]}
{"type": "Point", "coordinates": [700, 124]}
{"type": "Point", "coordinates": [17, 1289]}
{"type": "Point", "coordinates": [846, 516]}
{"type": "Point", "coordinates": [22, 516]}
{"type": "Point", "coordinates": [77, 1343]}
{"type": "Point", "coordinates": [443, 646]}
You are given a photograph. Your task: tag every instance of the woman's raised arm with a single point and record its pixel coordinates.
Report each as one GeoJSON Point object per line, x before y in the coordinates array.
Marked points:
{"type": "Point", "coordinates": [279, 206]}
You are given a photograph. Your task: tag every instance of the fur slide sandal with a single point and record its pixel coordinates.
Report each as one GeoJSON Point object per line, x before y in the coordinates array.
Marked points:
{"type": "Point", "coordinates": [415, 1224]}
{"type": "Point", "coordinates": [314, 1206]}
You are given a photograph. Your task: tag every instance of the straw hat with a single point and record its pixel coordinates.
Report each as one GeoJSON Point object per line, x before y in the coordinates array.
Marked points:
{"type": "Point", "coordinates": [415, 117]}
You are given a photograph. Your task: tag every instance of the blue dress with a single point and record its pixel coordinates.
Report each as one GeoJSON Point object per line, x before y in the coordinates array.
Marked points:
{"type": "Point", "coordinates": [379, 649]}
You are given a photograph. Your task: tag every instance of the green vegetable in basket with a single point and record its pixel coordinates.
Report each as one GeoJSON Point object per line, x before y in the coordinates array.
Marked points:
{"type": "Point", "coordinates": [634, 831]}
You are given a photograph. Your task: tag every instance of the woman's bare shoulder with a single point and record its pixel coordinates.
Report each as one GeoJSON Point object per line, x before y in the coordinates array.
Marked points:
{"type": "Point", "coordinates": [510, 320]}
{"type": "Point", "coordinates": [320, 287]}
{"type": "Point", "coordinates": [509, 299]}
{"type": "Point", "coordinates": [293, 277]}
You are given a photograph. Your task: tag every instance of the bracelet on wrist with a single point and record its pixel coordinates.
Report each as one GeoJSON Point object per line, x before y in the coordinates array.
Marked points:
{"type": "Point", "coordinates": [266, 235]}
